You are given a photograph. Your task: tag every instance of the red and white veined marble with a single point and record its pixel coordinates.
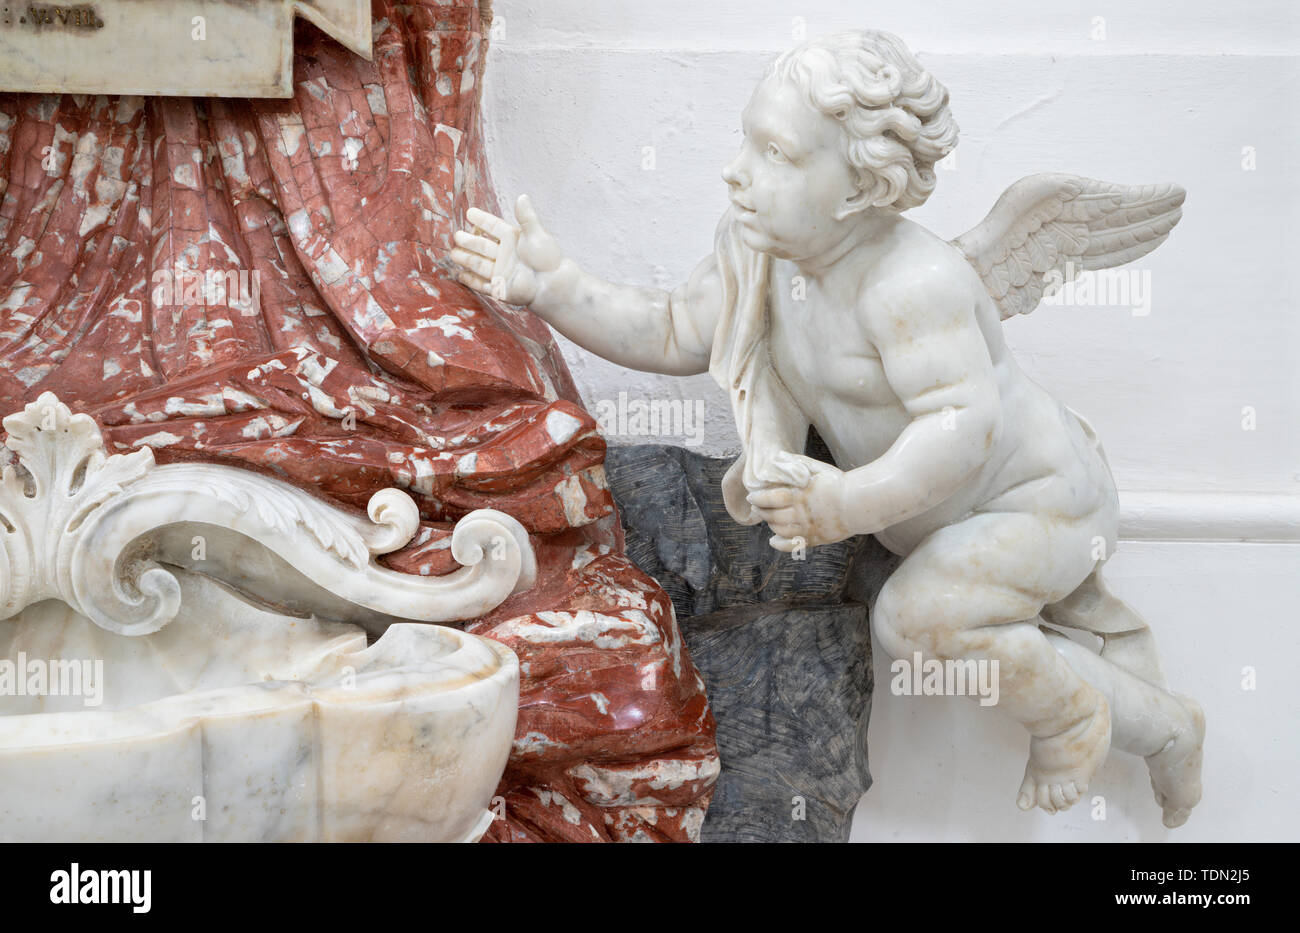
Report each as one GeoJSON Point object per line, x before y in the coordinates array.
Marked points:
{"type": "Point", "coordinates": [362, 364]}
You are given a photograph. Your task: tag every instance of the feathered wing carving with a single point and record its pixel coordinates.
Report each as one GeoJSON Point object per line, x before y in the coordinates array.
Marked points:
{"type": "Point", "coordinates": [1046, 229]}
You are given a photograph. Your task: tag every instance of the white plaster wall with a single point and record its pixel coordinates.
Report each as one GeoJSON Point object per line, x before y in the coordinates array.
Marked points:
{"type": "Point", "coordinates": [578, 93]}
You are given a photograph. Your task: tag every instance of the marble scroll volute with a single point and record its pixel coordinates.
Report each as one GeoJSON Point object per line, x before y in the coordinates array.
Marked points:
{"type": "Point", "coordinates": [229, 321]}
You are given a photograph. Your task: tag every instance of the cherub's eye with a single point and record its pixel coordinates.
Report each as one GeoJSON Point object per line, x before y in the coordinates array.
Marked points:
{"type": "Point", "coordinates": [775, 154]}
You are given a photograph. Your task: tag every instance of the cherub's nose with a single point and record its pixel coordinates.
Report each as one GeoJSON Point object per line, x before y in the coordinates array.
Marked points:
{"type": "Point", "coordinates": [733, 173]}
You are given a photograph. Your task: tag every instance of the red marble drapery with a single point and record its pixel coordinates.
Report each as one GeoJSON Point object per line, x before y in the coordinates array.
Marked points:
{"type": "Point", "coordinates": [338, 352]}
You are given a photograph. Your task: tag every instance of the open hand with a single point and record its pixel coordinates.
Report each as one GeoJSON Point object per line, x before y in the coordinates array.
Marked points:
{"type": "Point", "coordinates": [812, 514]}
{"type": "Point", "coordinates": [510, 263]}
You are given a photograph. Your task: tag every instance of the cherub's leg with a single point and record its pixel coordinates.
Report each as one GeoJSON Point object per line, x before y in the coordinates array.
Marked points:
{"type": "Point", "coordinates": [1126, 639]}
{"type": "Point", "coordinates": [1166, 729]}
{"type": "Point", "coordinates": [973, 590]}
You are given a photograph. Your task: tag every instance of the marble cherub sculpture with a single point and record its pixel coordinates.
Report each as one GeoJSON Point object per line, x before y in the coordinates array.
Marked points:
{"type": "Point", "coordinates": [823, 305]}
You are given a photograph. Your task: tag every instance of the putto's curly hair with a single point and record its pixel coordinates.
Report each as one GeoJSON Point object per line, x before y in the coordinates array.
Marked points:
{"type": "Point", "coordinates": [894, 113]}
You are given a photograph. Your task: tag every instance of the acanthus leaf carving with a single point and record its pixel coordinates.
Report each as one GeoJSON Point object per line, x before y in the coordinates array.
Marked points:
{"type": "Point", "coordinates": [78, 525]}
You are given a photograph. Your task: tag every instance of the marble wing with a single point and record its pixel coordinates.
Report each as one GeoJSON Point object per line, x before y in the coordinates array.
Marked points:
{"type": "Point", "coordinates": [1046, 229]}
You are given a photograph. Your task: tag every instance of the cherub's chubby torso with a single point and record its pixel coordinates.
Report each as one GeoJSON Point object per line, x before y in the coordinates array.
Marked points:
{"type": "Point", "coordinates": [823, 346]}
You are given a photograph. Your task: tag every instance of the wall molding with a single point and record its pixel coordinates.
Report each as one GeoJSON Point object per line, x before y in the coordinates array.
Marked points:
{"type": "Point", "coordinates": [1209, 516]}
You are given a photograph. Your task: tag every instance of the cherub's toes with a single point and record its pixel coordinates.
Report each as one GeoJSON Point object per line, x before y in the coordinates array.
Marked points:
{"type": "Point", "coordinates": [1056, 793]}
{"type": "Point", "coordinates": [1045, 798]}
{"type": "Point", "coordinates": [1025, 799]}
{"type": "Point", "coordinates": [1175, 817]}
{"type": "Point", "coordinates": [1072, 794]}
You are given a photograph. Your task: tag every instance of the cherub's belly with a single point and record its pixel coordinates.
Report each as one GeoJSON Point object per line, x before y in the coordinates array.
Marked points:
{"type": "Point", "coordinates": [849, 401]}
{"type": "Point", "coordinates": [1043, 464]}
{"type": "Point", "coordinates": [858, 432]}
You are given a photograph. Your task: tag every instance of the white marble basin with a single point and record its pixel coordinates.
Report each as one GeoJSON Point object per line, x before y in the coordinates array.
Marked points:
{"type": "Point", "coordinates": [237, 723]}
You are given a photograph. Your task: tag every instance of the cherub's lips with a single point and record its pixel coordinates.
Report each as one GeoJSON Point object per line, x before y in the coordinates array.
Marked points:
{"type": "Point", "coordinates": [742, 209]}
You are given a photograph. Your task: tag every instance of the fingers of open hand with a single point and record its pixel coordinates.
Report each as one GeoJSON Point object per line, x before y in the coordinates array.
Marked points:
{"type": "Point", "coordinates": [476, 282]}
{"type": "Point", "coordinates": [525, 213]}
{"type": "Point", "coordinates": [486, 256]}
{"type": "Point", "coordinates": [490, 223]}
{"type": "Point", "coordinates": [473, 262]}
{"type": "Point", "coordinates": [479, 245]}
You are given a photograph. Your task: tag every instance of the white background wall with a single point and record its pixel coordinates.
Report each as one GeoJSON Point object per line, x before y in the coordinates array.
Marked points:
{"type": "Point", "coordinates": [578, 93]}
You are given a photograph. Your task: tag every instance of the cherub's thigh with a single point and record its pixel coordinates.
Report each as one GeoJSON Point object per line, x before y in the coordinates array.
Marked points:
{"type": "Point", "coordinates": [991, 568]}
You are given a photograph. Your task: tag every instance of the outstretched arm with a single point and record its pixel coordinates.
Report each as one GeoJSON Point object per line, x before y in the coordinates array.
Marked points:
{"type": "Point", "coordinates": [641, 328]}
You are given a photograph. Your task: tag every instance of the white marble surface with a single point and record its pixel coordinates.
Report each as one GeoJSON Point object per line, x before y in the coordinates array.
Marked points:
{"type": "Point", "coordinates": [182, 47]}
{"type": "Point", "coordinates": [235, 723]}
{"type": "Point", "coordinates": [822, 305]}
{"type": "Point", "coordinates": [164, 673]}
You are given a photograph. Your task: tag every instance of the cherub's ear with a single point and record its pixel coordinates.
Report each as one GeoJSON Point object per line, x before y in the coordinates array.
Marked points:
{"type": "Point", "coordinates": [858, 202]}
{"type": "Point", "coordinates": [873, 191]}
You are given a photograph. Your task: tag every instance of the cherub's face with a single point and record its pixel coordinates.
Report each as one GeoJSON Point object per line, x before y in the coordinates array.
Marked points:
{"type": "Point", "coordinates": [794, 191]}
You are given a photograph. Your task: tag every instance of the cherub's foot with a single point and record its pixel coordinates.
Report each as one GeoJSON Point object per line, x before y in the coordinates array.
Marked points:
{"type": "Point", "coordinates": [1061, 766]}
{"type": "Point", "coordinates": [1176, 768]}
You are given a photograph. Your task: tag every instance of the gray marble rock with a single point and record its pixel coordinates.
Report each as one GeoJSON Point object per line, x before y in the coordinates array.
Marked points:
{"type": "Point", "coordinates": [791, 693]}
{"type": "Point", "coordinates": [783, 645]}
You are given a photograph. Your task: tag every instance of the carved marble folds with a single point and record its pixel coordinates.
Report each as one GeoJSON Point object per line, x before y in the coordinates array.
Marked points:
{"type": "Point", "coordinates": [260, 288]}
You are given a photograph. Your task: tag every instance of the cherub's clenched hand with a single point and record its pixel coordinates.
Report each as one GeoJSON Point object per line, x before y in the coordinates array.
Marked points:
{"type": "Point", "coordinates": [509, 263]}
{"type": "Point", "coordinates": [815, 513]}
